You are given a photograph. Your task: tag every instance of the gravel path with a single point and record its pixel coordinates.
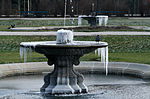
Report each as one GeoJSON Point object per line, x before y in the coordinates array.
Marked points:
{"type": "Point", "coordinates": [75, 33]}
{"type": "Point", "coordinates": [36, 18]}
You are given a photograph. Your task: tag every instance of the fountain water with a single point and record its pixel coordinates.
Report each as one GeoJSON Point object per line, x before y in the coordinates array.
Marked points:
{"type": "Point", "coordinates": [103, 53]}
{"type": "Point", "coordinates": [65, 12]}
{"type": "Point", "coordinates": [64, 53]}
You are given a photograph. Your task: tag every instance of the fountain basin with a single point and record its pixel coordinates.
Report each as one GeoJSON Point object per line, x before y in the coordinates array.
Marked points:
{"type": "Point", "coordinates": [103, 87]}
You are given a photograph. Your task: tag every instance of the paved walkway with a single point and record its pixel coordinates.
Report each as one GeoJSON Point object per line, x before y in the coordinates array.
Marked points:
{"type": "Point", "coordinates": [36, 18]}
{"type": "Point", "coordinates": [141, 18]}
{"type": "Point", "coordinates": [52, 33]}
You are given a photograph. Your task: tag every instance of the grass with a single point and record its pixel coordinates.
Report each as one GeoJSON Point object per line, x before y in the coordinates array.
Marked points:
{"type": "Point", "coordinates": [113, 21]}
{"type": "Point", "coordinates": [107, 28]}
{"type": "Point", "coordinates": [11, 43]}
{"type": "Point", "coordinates": [143, 58]}
{"type": "Point", "coordinates": [4, 24]}
{"type": "Point", "coordinates": [36, 23]}
{"type": "Point", "coordinates": [119, 21]}
{"type": "Point", "coordinates": [121, 48]}
{"type": "Point", "coordinates": [130, 57]}
{"type": "Point", "coordinates": [124, 44]}
{"type": "Point", "coordinates": [13, 57]}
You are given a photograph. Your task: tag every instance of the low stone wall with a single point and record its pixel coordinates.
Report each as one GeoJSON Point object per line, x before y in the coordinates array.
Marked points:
{"type": "Point", "coordinates": [23, 68]}
{"type": "Point", "coordinates": [121, 68]}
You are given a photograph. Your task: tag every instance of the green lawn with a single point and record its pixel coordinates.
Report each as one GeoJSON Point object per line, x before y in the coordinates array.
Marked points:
{"type": "Point", "coordinates": [120, 21]}
{"type": "Point", "coordinates": [37, 23]}
{"type": "Point", "coordinates": [121, 48]}
{"type": "Point", "coordinates": [130, 57]}
{"type": "Point", "coordinates": [14, 57]}
{"type": "Point", "coordinates": [117, 21]}
{"type": "Point", "coordinates": [4, 24]}
{"type": "Point", "coordinates": [143, 58]}
{"type": "Point", "coordinates": [113, 21]}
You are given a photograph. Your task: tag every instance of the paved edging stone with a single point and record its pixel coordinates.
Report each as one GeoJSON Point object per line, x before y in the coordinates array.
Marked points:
{"type": "Point", "coordinates": [133, 69]}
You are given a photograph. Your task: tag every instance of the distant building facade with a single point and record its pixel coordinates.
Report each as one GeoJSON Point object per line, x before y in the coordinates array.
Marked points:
{"type": "Point", "coordinates": [51, 8]}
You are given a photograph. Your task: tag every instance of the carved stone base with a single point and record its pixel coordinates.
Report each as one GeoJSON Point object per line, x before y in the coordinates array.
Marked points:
{"type": "Point", "coordinates": [64, 79]}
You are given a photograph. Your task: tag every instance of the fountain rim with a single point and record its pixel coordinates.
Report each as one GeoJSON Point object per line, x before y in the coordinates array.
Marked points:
{"type": "Point", "coordinates": [130, 69]}
{"type": "Point", "coordinates": [74, 44]}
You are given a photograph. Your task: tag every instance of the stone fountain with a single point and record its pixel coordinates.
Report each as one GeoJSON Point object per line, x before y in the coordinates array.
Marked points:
{"type": "Point", "coordinates": [63, 53]}
{"type": "Point", "coordinates": [93, 20]}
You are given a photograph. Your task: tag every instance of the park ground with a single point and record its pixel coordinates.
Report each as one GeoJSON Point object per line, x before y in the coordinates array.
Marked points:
{"type": "Point", "coordinates": [122, 48]}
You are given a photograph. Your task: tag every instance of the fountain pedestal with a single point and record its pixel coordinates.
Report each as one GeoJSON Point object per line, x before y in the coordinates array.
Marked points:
{"type": "Point", "coordinates": [64, 79]}
{"type": "Point", "coordinates": [64, 53]}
